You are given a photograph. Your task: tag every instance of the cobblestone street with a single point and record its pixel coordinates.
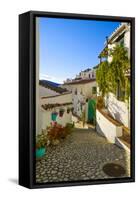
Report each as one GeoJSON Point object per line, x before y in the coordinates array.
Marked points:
{"type": "Point", "coordinates": [81, 156]}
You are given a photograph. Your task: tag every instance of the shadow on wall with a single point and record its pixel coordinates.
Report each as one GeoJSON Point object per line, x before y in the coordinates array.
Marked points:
{"type": "Point", "coordinates": [116, 116]}
{"type": "Point", "coordinates": [119, 112]}
{"type": "Point", "coordinates": [100, 132]}
{"type": "Point", "coordinates": [107, 128]}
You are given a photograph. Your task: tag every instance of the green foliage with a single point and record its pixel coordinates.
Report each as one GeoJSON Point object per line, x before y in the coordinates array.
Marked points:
{"type": "Point", "coordinates": [118, 66]}
{"type": "Point", "coordinates": [41, 141]}
{"type": "Point", "coordinates": [100, 102]}
{"type": "Point", "coordinates": [101, 77]}
{"type": "Point", "coordinates": [110, 76]}
{"type": "Point", "coordinates": [94, 90]}
{"type": "Point", "coordinates": [57, 131]}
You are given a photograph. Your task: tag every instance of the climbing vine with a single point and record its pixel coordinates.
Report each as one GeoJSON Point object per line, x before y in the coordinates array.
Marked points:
{"type": "Point", "coordinates": [112, 75]}
{"type": "Point", "coordinates": [101, 77]}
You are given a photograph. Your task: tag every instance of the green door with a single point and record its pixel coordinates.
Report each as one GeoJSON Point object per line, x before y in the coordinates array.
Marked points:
{"type": "Point", "coordinates": [91, 111]}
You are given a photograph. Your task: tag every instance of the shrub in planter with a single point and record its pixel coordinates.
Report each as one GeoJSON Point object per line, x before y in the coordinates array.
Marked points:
{"type": "Point", "coordinates": [54, 132]}
{"type": "Point", "coordinates": [100, 102]}
{"type": "Point", "coordinates": [61, 112]}
{"type": "Point", "coordinates": [57, 132]}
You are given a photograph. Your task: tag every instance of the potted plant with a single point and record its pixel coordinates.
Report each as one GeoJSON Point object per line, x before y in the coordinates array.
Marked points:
{"type": "Point", "coordinates": [61, 112]}
{"type": "Point", "coordinates": [54, 133]}
{"type": "Point", "coordinates": [54, 115]}
{"type": "Point", "coordinates": [40, 149]}
{"type": "Point", "coordinates": [72, 109]}
{"type": "Point", "coordinates": [68, 110]}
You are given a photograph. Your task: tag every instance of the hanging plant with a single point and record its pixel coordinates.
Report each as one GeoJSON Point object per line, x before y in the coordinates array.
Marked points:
{"type": "Point", "coordinates": [68, 110]}
{"type": "Point", "coordinates": [54, 115]}
{"type": "Point", "coordinates": [61, 112]}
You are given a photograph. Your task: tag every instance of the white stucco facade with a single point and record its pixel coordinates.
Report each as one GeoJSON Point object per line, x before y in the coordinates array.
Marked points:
{"type": "Point", "coordinates": [124, 30]}
{"type": "Point", "coordinates": [80, 92]}
{"type": "Point", "coordinates": [44, 116]}
{"type": "Point", "coordinates": [107, 128]}
{"type": "Point", "coordinates": [119, 110]}
{"type": "Point", "coordinates": [87, 74]}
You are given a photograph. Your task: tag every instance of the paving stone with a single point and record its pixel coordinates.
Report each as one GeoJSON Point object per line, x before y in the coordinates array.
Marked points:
{"type": "Point", "coordinates": [80, 156]}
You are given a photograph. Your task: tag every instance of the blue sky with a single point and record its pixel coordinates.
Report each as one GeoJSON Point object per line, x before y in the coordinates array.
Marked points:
{"type": "Point", "coordinates": [68, 46]}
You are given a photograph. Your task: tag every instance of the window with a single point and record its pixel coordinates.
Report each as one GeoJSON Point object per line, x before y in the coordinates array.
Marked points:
{"type": "Point", "coordinates": [94, 90]}
{"type": "Point", "coordinates": [120, 93]}
{"type": "Point", "coordinates": [76, 91]}
{"type": "Point", "coordinates": [122, 42]}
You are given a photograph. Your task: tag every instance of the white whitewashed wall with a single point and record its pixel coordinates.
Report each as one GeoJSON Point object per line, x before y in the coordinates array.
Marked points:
{"type": "Point", "coordinates": [84, 91]}
{"type": "Point", "coordinates": [119, 110]}
{"type": "Point", "coordinates": [107, 128]}
{"type": "Point", "coordinates": [46, 117]}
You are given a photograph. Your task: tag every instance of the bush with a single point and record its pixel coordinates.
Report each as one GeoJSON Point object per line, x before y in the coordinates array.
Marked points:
{"type": "Point", "coordinates": [100, 102]}
{"type": "Point", "coordinates": [57, 131]}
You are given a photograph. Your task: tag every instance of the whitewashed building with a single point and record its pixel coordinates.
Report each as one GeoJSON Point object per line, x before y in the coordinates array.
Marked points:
{"type": "Point", "coordinates": [119, 110]}
{"type": "Point", "coordinates": [52, 100]}
{"type": "Point", "coordinates": [82, 90]}
{"type": "Point", "coordinates": [89, 73]}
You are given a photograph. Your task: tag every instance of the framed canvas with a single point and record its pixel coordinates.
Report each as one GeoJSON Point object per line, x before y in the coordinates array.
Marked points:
{"type": "Point", "coordinates": [76, 99]}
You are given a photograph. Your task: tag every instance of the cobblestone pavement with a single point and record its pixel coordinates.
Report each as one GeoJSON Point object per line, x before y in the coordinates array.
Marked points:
{"type": "Point", "coordinates": [81, 156]}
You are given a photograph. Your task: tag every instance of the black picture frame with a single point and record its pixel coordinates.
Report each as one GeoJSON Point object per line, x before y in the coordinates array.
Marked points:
{"type": "Point", "coordinates": [27, 54]}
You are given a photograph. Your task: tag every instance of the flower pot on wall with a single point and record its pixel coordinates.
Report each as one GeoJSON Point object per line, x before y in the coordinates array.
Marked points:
{"type": "Point", "coordinates": [68, 110]}
{"type": "Point", "coordinates": [61, 112]}
{"type": "Point", "coordinates": [54, 116]}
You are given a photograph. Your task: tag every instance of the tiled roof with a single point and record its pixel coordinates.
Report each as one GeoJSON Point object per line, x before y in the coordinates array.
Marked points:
{"type": "Point", "coordinates": [82, 81]}
{"type": "Point", "coordinates": [52, 86]}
